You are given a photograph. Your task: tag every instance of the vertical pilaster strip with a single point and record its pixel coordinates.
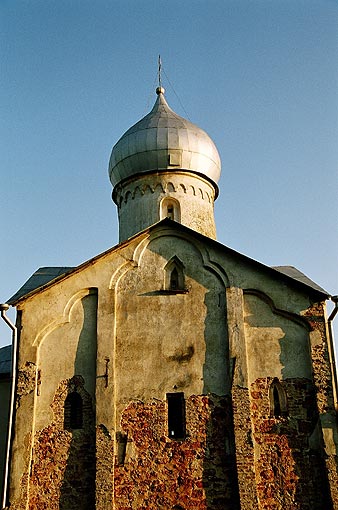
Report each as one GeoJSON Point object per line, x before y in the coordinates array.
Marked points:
{"type": "Point", "coordinates": [240, 400]}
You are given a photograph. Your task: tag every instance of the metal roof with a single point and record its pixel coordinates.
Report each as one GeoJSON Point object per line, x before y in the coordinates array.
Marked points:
{"type": "Point", "coordinates": [164, 141]}
{"type": "Point", "coordinates": [46, 275]}
{"type": "Point", "coordinates": [42, 276]}
{"type": "Point", "coordinates": [5, 359]}
{"type": "Point", "coordinates": [294, 273]}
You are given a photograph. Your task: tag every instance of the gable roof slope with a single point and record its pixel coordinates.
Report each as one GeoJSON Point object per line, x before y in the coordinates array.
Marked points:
{"type": "Point", "coordinates": [47, 276]}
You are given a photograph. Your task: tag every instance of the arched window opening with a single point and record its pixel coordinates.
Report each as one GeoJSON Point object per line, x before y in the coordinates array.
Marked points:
{"type": "Point", "coordinates": [278, 402]}
{"type": "Point", "coordinates": [170, 208]}
{"type": "Point", "coordinates": [73, 412]}
{"type": "Point", "coordinates": [170, 212]}
{"type": "Point", "coordinates": [176, 415]}
{"type": "Point", "coordinates": [174, 275]}
{"type": "Point", "coordinates": [174, 283]}
{"type": "Point", "coordinates": [277, 411]}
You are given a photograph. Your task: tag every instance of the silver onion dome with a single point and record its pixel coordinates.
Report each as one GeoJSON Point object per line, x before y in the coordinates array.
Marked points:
{"type": "Point", "coordinates": [163, 141]}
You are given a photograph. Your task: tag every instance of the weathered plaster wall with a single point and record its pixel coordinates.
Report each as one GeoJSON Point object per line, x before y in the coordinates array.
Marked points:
{"type": "Point", "coordinates": [281, 458]}
{"type": "Point", "coordinates": [65, 353]}
{"type": "Point", "coordinates": [276, 345]}
{"type": "Point", "coordinates": [316, 315]}
{"type": "Point", "coordinates": [76, 338]}
{"type": "Point", "coordinates": [167, 341]}
{"type": "Point", "coordinates": [244, 448]}
{"type": "Point", "coordinates": [48, 315]}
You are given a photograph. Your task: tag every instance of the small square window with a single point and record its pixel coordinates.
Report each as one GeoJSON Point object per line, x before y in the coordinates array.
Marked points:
{"type": "Point", "coordinates": [174, 159]}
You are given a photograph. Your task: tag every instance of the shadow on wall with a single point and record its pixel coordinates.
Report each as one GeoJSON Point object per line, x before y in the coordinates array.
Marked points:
{"type": "Point", "coordinates": [78, 483]}
{"type": "Point", "coordinates": [201, 306]}
{"type": "Point", "coordinates": [219, 467]}
{"type": "Point", "coordinates": [278, 342]}
{"type": "Point", "coordinates": [291, 463]}
{"type": "Point", "coordinates": [216, 368]}
{"type": "Point", "coordinates": [220, 480]}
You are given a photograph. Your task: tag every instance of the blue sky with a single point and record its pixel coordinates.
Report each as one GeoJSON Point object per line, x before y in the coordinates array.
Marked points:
{"type": "Point", "coordinates": [260, 76]}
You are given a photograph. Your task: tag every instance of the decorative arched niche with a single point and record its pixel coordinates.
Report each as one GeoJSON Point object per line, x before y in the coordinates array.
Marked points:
{"type": "Point", "coordinates": [174, 275]}
{"type": "Point", "coordinates": [170, 208]}
{"type": "Point", "coordinates": [278, 399]}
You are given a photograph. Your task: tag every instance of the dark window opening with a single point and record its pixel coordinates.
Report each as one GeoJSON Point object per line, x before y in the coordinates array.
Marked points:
{"type": "Point", "coordinates": [176, 415]}
{"type": "Point", "coordinates": [170, 212]}
{"type": "Point", "coordinates": [73, 412]}
{"type": "Point", "coordinates": [170, 208]}
{"type": "Point", "coordinates": [174, 279]}
{"type": "Point", "coordinates": [278, 400]}
{"type": "Point", "coordinates": [121, 440]}
{"type": "Point", "coordinates": [174, 275]}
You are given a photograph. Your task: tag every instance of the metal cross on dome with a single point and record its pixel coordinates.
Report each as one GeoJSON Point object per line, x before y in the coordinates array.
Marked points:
{"type": "Point", "coordinates": [159, 71]}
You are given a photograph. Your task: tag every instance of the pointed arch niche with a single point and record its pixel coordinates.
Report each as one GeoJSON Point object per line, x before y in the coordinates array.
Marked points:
{"type": "Point", "coordinates": [174, 280]}
{"type": "Point", "coordinates": [170, 208]}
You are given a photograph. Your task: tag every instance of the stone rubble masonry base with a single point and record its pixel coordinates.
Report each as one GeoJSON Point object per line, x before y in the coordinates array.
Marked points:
{"type": "Point", "coordinates": [289, 473]}
{"type": "Point", "coordinates": [157, 473]}
{"type": "Point", "coordinates": [277, 469]}
{"type": "Point", "coordinates": [195, 473]}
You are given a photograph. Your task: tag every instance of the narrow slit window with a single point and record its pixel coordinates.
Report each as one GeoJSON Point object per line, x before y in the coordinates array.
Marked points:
{"type": "Point", "coordinates": [174, 279]}
{"type": "Point", "coordinates": [174, 275]}
{"type": "Point", "coordinates": [176, 415]}
{"type": "Point", "coordinates": [73, 412]}
{"type": "Point", "coordinates": [121, 440]}
{"type": "Point", "coordinates": [170, 212]}
{"type": "Point", "coordinates": [278, 401]}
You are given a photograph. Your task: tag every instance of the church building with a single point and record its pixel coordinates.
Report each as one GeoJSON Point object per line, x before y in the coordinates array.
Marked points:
{"type": "Point", "coordinates": [171, 372]}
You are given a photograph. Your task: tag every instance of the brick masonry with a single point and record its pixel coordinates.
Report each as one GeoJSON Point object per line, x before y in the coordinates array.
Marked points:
{"type": "Point", "coordinates": [289, 473]}
{"type": "Point", "coordinates": [62, 474]}
{"type": "Point", "coordinates": [195, 473]}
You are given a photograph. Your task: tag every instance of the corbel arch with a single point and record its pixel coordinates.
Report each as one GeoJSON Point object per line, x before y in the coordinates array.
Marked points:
{"type": "Point", "coordinates": [278, 340]}
{"type": "Point", "coordinates": [208, 263]}
{"type": "Point", "coordinates": [277, 311]}
{"type": "Point", "coordinates": [65, 317]}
